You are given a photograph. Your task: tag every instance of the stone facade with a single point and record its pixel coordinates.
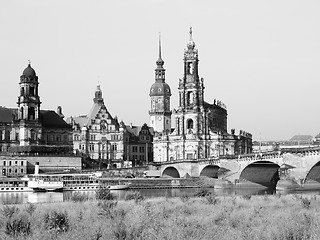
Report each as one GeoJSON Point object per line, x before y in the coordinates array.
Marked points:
{"type": "Point", "coordinates": [200, 128]}
{"type": "Point", "coordinates": [28, 126]}
{"type": "Point", "coordinates": [102, 137]}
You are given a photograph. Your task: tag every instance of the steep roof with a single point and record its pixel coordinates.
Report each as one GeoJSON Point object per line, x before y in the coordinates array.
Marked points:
{"type": "Point", "coordinates": [301, 138]}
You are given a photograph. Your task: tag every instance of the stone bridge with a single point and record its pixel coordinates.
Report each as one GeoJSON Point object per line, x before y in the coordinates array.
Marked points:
{"type": "Point", "coordinates": [297, 164]}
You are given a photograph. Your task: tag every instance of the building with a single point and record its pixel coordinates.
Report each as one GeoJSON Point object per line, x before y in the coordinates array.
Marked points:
{"type": "Point", "coordinates": [199, 128]}
{"type": "Point", "coordinates": [28, 130]}
{"type": "Point", "coordinates": [102, 137]}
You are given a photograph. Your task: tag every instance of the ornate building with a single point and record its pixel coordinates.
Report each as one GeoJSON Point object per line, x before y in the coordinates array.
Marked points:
{"type": "Point", "coordinates": [28, 130]}
{"type": "Point", "coordinates": [102, 137]}
{"type": "Point", "coordinates": [200, 128]}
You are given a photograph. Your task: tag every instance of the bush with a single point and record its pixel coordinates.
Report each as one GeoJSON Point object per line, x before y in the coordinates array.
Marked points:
{"type": "Point", "coordinates": [211, 199]}
{"type": "Point", "coordinates": [8, 211]}
{"type": "Point", "coordinates": [306, 202]}
{"type": "Point", "coordinates": [17, 226]}
{"type": "Point", "coordinates": [134, 195]}
{"type": "Point", "coordinates": [202, 192]}
{"type": "Point", "coordinates": [107, 207]}
{"type": "Point", "coordinates": [246, 197]}
{"type": "Point", "coordinates": [104, 194]}
{"type": "Point", "coordinates": [58, 221]}
{"type": "Point", "coordinates": [79, 197]}
{"type": "Point", "coordinates": [30, 209]}
{"type": "Point", "coordinates": [185, 197]}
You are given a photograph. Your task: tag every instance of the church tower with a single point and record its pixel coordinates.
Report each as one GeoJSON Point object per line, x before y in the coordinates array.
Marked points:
{"type": "Point", "coordinates": [160, 93]}
{"type": "Point", "coordinates": [29, 108]}
{"type": "Point", "coordinates": [191, 94]}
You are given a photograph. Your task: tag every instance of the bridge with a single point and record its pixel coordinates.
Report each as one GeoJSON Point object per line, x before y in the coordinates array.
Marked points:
{"type": "Point", "coordinates": [300, 165]}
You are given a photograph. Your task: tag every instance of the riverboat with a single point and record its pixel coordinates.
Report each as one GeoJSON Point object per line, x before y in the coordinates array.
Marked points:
{"type": "Point", "coordinates": [72, 182]}
{"type": "Point", "coordinates": [14, 185]}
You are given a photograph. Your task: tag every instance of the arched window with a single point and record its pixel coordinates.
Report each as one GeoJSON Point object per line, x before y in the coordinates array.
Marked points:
{"type": "Point", "coordinates": [31, 113]}
{"type": "Point", "coordinates": [189, 98]}
{"type": "Point", "coordinates": [0, 135]}
{"type": "Point", "coordinates": [33, 135]}
{"type": "Point", "coordinates": [190, 124]}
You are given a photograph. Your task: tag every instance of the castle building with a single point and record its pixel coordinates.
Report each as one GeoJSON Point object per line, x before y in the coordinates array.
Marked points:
{"type": "Point", "coordinates": [28, 130]}
{"type": "Point", "coordinates": [102, 137]}
{"type": "Point", "coordinates": [200, 128]}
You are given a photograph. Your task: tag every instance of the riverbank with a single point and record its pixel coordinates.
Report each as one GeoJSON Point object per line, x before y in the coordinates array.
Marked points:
{"type": "Point", "coordinates": [207, 217]}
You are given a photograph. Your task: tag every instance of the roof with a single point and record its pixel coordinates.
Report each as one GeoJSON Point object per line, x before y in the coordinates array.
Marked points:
{"type": "Point", "coordinates": [29, 71]}
{"type": "Point", "coordinates": [7, 114]}
{"type": "Point", "coordinates": [301, 138]}
{"type": "Point", "coordinates": [160, 88]}
{"type": "Point", "coordinates": [50, 119]}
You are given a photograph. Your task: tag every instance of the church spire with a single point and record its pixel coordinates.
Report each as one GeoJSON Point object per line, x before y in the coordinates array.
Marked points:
{"type": "Point", "coordinates": [160, 71]}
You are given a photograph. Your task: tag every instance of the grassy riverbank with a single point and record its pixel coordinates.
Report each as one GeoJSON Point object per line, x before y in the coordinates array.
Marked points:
{"type": "Point", "coordinates": [206, 217]}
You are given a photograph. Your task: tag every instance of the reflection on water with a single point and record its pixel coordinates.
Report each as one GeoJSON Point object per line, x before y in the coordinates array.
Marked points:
{"type": "Point", "coordinates": [41, 197]}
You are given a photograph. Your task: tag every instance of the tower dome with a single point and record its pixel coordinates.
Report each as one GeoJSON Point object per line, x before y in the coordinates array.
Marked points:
{"type": "Point", "coordinates": [160, 89]}
{"type": "Point", "coordinates": [29, 72]}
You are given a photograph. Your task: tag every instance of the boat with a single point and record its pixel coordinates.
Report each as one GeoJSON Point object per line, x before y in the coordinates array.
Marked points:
{"type": "Point", "coordinates": [14, 185]}
{"type": "Point", "coordinates": [73, 182]}
{"type": "Point", "coordinates": [114, 183]}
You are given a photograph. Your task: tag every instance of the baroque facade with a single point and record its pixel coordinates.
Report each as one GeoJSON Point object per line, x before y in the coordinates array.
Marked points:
{"type": "Point", "coordinates": [28, 130]}
{"type": "Point", "coordinates": [102, 137]}
{"type": "Point", "coordinates": [199, 128]}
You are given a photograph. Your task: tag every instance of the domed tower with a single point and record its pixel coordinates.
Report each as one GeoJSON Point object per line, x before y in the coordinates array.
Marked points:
{"type": "Point", "coordinates": [160, 93]}
{"type": "Point", "coordinates": [29, 107]}
{"type": "Point", "coordinates": [191, 93]}
{"type": "Point", "coordinates": [98, 95]}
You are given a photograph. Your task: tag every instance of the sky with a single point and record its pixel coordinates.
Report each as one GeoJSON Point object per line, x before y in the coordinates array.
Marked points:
{"type": "Point", "coordinates": [261, 58]}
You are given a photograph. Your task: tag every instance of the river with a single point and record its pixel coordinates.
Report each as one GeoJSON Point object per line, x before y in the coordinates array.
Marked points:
{"type": "Point", "coordinates": [49, 197]}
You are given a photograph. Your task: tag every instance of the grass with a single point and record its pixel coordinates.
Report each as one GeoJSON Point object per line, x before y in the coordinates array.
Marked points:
{"type": "Point", "coordinates": [203, 217]}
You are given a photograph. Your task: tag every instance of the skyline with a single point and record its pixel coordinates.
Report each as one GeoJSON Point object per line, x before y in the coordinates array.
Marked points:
{"type": "Point", "coordinates": [260, 59]}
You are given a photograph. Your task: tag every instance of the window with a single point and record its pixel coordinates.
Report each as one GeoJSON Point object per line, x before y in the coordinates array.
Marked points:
{"type": "Point", "coordinates": [134, 149]}
{"type": "Point", "coordinates": [21, 170]}
{"type": "Point", "coordinates": [141, 149]}
{"type": "Point", "coordinates": [190, 124]}
{"type": "Point", "coordinates": [9, 163]}
{"type": "Point", "coordinates": [21, 163]}
{"type": "Point", "coordinates": [114, 147]}
{"type": "Point", "coordinates": [4, 163]}
{"type": "Point", "coordinates": [16, 162]}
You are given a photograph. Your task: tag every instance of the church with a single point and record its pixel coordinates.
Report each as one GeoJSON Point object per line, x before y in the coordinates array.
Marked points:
{"type": "Point", "coordinates": [28, 132]}
{"type": "Point", "coordinates": [199, 128]}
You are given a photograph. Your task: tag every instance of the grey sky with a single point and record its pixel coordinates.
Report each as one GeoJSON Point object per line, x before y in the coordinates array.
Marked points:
{"type": "Point", "coordinates": [261, 58]}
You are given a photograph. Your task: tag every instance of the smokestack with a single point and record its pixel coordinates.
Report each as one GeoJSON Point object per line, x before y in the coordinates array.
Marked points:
{"type": "Point", "coordinates": [36, 168]}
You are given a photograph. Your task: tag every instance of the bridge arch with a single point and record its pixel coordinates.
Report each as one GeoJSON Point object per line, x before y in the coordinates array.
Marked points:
{"type": "Point", "coordinates": [314, 173]}
{"type": "Point", "coordinates": [261, 172]}
{"type": "Point", "coordinates": [171, 172]}
{"type": "Point", "coordinates": [210, 171]}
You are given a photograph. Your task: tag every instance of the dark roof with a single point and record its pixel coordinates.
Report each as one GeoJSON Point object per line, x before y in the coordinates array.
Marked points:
{"type": "Point", "coordinates": [50, 119]}
{"type": "Point", "coordinates": [29, 72]}
{"type": "Point", "coordinates": [7, 114]}
{"type": "Point", "coordinates": [301, 137]}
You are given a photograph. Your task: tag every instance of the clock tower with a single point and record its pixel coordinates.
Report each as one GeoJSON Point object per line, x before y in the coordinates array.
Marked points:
{"type": "Point", "coordinates": [160, 93]}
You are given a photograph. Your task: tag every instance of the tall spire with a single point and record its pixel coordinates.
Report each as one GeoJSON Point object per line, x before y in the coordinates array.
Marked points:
{"type": "Point", "coordinates": [160, 62]}
{"type": "Point", "coordinates": [191, 43]}
{"type": "Point", "coordinates": [160, 46]}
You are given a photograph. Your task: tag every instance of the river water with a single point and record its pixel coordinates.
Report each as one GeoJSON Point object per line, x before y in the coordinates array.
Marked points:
{"type": "Point", "coordinates": [48, 197]}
